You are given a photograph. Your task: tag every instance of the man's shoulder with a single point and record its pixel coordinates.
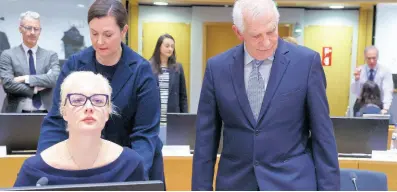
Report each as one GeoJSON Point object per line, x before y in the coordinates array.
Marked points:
{"type": "Point", "coordinates": [46, 51]}
{"type": "Point", "coordinates": [383, 69]}
{"type": "Point", "coordinates": [12, 51]}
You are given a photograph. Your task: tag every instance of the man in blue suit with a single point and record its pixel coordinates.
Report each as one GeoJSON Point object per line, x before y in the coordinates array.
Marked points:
{"type": "Point", "coordinates": [269, 95]}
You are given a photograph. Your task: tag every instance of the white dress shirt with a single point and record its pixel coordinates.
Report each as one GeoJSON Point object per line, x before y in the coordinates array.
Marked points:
{"type": "Point", "coordinates": [264, 69]}
{"type": "Point", "coordinates": [28, 102]}
{"type": "Point", "coordinates": [383, 78]}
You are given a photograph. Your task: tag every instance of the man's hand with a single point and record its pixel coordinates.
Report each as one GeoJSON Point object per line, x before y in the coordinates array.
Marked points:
{"type": "Point", "coordinates": [383, 112]}
{"type": "Point", "coordinates": [20, 79]}
{"type": "Point", "coordinates": [357, 74]}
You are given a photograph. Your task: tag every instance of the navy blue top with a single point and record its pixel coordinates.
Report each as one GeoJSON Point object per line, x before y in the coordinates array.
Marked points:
{"type": "Point", "coordinates": [127, 167]}
{"type": "Point", "coordinates": [106, 71]}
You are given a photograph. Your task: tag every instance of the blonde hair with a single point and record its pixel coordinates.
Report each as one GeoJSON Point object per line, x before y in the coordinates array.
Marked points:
{"type": "Point", "coordinates": [75, 78]}
{"type": "Point", "coordinates": [291, 40]}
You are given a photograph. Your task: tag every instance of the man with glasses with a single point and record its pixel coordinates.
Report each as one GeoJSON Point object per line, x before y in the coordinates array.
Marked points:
{"type": "Point", "coordinates": [372, 71]}
{"type": "Point", "coordinates": [28, 72]}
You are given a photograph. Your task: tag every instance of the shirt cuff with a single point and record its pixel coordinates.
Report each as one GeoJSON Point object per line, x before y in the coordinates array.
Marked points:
{"type": "Point", "coordinates": [27, 79]}
{"type": "Point", "coordinates": [36, 89]}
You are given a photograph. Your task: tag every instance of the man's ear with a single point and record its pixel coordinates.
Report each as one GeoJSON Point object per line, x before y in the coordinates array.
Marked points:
{"type": "Point", "coordinates": [237, 32]}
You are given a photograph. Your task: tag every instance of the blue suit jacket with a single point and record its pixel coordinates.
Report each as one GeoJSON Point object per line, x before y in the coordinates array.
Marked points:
{"type": "Point", "coordinates": [276, 152]}
{"type": "Point", "coordinates": [136, 98]}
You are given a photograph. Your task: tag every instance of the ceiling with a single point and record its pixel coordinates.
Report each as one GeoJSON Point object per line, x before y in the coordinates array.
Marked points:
{"type": "Point", "coordinates": [280, 3]}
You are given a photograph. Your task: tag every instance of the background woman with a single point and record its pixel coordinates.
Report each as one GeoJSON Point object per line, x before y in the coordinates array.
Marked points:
{"type": "Point", "coordinates": [170, 78]}
{"type": "Point", "coordinates": [370, 100]}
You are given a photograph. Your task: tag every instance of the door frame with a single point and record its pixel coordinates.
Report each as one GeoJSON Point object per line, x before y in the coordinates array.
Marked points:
{"type": "Point", "coordinates": [205, 27]}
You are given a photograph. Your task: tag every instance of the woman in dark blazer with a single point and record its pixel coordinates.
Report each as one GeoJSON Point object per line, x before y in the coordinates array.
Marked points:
{"type": "Point", "coordinates": [170, 76]}
{"type": "Point", "coordinates": [134, 90]}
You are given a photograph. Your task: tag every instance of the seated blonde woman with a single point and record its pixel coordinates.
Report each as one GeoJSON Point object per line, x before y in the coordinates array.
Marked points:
{"type": "Point", "coordinates": [84, 157]}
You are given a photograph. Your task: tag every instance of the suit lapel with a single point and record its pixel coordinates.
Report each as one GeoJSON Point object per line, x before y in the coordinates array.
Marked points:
{"type": "Point", "coordinates": [39, 61]}
{"type": "Point", "coordinates": [120, 78]}
{"type": "Point", "coordinates": [21, 56]}
{"type": "Point", "coordinates": [277, 71]}
{"type": "Point", "coordinates": [237, 70]}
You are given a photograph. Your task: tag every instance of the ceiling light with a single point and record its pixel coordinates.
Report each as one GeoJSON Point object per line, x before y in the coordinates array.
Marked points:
{"type": "Point", "coordinates": [336, 7]}
{"type": "Point", "coordinates": [160, 3]}
{"type": "Point", "coordinates": [80, 5]}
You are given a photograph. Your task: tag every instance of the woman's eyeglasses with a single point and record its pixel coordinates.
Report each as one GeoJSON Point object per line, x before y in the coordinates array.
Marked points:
{"type": "Point", "coordinates": [77, 99]}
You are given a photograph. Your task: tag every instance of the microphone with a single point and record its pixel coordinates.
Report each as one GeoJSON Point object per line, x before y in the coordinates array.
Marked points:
{"type": "Point", "coordinates": [353, 177]}
{"type": "Point", "coordinates": [42, 182]}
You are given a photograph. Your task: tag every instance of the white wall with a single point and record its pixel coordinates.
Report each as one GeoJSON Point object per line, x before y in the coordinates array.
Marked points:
{"type": "Point", "coordinates": [338, 17]}
{"type": "Point", "coordinates": [56, 18]}
{"type": "Point", "coordinates": [386, 36]}
{"type": "Point", "coordinates": [198, 15]}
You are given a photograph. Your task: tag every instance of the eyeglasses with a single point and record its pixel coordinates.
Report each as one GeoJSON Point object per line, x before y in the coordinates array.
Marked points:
{"type": "Point", "coordinates": [30, 28]}
{"type": "Point", "coordinates": [77, 99]}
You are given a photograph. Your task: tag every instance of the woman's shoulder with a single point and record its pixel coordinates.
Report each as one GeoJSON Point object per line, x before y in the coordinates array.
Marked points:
{"type": "Point", "coordinates": [34, 165]}
{"type": "Point", "coordinates": [124, 154]}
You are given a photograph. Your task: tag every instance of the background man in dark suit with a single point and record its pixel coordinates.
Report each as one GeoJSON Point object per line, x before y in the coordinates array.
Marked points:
{"type": "Point", "coordinates": [268, 94]}
{"type": "Point", "coordinates": [28, 72]}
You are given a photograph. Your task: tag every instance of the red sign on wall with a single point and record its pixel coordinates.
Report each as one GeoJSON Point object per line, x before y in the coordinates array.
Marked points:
{"type": "Point", "coordinates": [327, 56]}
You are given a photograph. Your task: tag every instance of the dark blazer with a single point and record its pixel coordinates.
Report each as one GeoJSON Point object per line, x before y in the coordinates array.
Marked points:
{"type": "Point", "coordinates": [177, 94]}
{"type": "Point", "coordinates": [274, 153]}
{"type": "Point", "coordinates": [136, 99]}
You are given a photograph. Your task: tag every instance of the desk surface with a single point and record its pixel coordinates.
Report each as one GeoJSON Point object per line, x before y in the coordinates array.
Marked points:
{"type": "Point", "coordinates": [178, 170]}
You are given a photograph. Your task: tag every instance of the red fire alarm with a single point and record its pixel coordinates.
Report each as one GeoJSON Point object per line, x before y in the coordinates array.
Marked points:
{"type": "Point", "coordinates": [327, 56]}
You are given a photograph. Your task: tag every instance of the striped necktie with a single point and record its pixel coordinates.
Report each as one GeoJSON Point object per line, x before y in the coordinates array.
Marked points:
{"type": "Point", "coordinates": [256, 88]}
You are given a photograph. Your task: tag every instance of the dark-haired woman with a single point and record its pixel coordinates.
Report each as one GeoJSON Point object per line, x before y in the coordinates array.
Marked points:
{"type": "Point", "coordinates": [370, 100]}
{"type": "Point", "coordinates": [170, 79]}
{"type": "Point", "coordinates": [134, 89]}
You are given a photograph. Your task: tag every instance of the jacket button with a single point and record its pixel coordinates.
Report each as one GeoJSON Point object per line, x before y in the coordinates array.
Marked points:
{"type": "Point", "coordinates": [256, 163]}
{"type": "Point", "coordinates": [256, 132]}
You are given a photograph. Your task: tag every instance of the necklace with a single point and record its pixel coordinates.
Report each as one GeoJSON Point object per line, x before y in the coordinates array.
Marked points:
{"type": "Point", "coordinates": [72, 158]}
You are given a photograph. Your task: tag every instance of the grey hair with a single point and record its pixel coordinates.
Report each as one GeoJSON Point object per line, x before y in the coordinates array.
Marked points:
{"type": "Point", "coordinates": [371, 47]}
{"type": "Point", "coordinates": [30, 15]}
{"type": "Point", "coordinates": [255, 8]}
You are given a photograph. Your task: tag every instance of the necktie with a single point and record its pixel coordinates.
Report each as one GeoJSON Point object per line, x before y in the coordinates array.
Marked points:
{"type": "Point", "coordinates": [371, 75]}
{"type": "Point", "coordinates": [36, 97]}
{"type": "Point", "coordinates": [256, 88]}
